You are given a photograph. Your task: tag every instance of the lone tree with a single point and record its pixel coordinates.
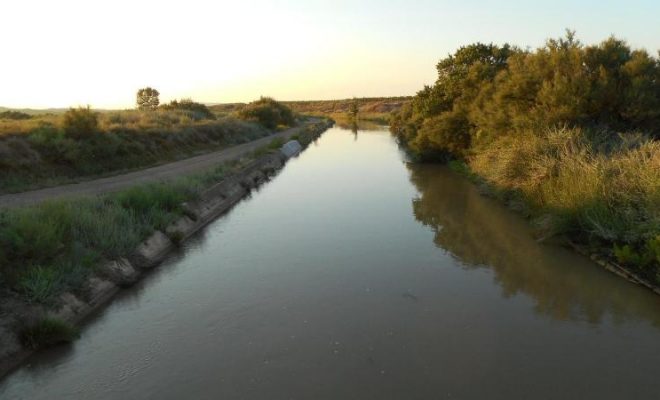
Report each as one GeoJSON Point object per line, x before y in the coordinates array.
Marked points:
{"type": "Point", "coordinates": [147, 99]}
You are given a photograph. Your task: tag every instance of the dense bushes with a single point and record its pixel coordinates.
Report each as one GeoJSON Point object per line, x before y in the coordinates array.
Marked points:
{"type": "Point", "coordinates": [568, 132]}
{"type": "Point", "coordinates": [197, 111]}
{"type": "Point", "coordinates": [268, 113]}
{"type": "Point", "coordinates": [486, 91]}
{"type": "Point", "coordinates": [80, 123]}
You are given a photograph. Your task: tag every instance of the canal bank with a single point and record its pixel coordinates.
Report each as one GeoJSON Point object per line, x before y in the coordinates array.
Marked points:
{"type": "Point", "coordinates": [72, 308]}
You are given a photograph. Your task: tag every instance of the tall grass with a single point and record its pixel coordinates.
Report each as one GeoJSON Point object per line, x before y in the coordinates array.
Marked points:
{"type": "Point", "coordinates": [47, 248]}
{"type": "Point", "coordinates": [596, 187]}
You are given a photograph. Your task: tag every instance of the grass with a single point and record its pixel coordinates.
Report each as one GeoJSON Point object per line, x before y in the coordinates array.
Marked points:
{"type": "Point", "coordinates": [54, 246]}
{"type": "Point", "coordinates": [48, 332]}
{"type": "Point", "coordinates": [597, 190]}
{"type": "Point", "coordinates": [39, 151]}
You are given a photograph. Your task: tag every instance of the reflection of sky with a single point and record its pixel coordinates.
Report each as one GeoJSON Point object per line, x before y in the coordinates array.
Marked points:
{"type": "Point", "coordinates": [77, 52]}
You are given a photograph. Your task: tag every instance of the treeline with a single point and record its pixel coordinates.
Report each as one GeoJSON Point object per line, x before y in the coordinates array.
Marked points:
{"type": "Point", "coordinates": [568, 132]}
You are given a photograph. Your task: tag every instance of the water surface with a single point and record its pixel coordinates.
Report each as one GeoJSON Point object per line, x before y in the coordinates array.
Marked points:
{"type": "Point", "coordinates": [354, 275]}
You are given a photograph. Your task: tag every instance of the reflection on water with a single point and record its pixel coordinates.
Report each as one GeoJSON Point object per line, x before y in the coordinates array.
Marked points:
{"type": "Point", "coordinates": [482, 234]}
{"type": "Point", "coordinates": [327, 283]}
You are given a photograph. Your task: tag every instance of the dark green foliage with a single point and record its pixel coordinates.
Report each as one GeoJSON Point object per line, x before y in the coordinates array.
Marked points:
{"type": "Point", "coordinates": [268, 113]}
{"type": "Point", "coordinates": [147, 99]}
{"type": "Point", "coordinates": [486, 91]}
{"type": "Point", "coordinates": [436, 124]}
{"type": "Point", "coordinates": [16, 115]}
{"type": "Point", "coordinates": [544, 129]}
{"type": "Point", "coordinates": [198, 111]}
{"type": "Point", "coordinates": [48, 332]}
{"type": "Point", "coordinates": [80, 123]}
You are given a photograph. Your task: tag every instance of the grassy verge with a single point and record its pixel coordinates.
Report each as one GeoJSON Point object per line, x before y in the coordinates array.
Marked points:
{"type": "Point", "coordinates": [595, 189]}
{"type": "Point", "coordinates": [52, 149]}
{"type": "Point", "coordinates": [54, 246]}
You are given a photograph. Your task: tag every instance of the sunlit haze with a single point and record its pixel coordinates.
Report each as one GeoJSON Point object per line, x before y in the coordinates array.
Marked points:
{"type": "Point", "coordinates": [64, 53]}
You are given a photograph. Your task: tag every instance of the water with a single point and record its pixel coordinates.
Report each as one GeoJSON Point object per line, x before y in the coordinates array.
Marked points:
{"type": "Point", "coordinates": [354, 275]}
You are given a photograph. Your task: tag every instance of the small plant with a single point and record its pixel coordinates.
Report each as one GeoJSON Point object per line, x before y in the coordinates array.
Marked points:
{"type": "Point", "coordinates": [39, 284]}
{"type": "Point", "coordinates": [626, 255]}
{"type": "Point", "coordinates": [176, 237]}
{"type": "Point", "coordinates": [48, 332]}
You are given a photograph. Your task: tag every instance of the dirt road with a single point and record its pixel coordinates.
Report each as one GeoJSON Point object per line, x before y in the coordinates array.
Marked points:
{"type": "Point", "coordinates": [153, 174]}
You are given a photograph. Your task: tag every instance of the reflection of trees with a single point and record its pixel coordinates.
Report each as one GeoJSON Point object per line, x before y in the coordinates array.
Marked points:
{"type": "Point", "coordinates": [480, 233]}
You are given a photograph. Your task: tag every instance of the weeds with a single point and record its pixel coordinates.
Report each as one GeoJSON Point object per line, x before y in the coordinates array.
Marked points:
{"type": "Point", "coordinates": [48, 332]}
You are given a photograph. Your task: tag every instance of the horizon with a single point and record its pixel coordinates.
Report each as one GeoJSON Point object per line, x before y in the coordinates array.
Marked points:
{"type": "Point", "coordinates": [221, 52]}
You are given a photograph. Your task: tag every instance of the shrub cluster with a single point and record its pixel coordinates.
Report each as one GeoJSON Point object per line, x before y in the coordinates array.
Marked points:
{"type": "Point", "coordinates": [268, 112]}
{"type": "Point", "coordinates": [197, 111]}
{"type": "Point", "coordinates": [487, 91]}
{"type": "Point", "coordinates": [568, 131]}
{"type": "Point", "coordinates": [80, 123]}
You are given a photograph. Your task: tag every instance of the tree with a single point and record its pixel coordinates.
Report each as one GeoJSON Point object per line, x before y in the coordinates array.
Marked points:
{"type": "Point", "coordinates": [147, 99]}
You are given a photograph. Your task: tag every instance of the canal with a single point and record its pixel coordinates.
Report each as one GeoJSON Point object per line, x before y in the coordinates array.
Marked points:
{"type": "Point", "coordinates": [356, 275]}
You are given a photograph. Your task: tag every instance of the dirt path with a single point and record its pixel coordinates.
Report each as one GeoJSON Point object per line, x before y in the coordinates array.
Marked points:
{"type": "Point", "coordinates": [153, 174]}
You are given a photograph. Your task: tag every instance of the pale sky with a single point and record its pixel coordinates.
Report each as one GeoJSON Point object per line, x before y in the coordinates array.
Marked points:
{"type": "Point", "coordinates": [99, 52]}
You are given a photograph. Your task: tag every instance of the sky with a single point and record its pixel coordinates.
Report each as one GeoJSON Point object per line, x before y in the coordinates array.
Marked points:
{"type": "Point", "coordinates": [62, 53]}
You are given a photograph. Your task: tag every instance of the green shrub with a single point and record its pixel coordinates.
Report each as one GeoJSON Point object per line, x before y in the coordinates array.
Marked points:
{"type": "Point", "coordinates": [80, 123]}
{"type": "Point", "coordinates": [197, 111]}
{"type": "Point", "coordinates": [486, 91]}
{"type": "Point", "coordinates": [268, 113]}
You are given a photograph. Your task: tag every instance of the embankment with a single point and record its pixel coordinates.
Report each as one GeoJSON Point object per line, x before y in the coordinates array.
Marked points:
{"type": "Point", "coordinates": [27, 325]}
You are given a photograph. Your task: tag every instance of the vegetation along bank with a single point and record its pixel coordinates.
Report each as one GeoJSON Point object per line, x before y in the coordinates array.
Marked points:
{"type": "Point", "coordinates": [567, 134]}
{"type": "Point", "coordinates": [61, 260]}
{"type": "Point", "coordinates": [48, 149]}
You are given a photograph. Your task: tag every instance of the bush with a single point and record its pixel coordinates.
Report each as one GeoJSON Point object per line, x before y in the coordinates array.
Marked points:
{"type": "Point", "coordinates": [15, 115]}
{"type": "Point", "coordinates": [268, 113]}
{"type": "Point", "coordinates": [197, 111]}
{"type": "Point", "coordinates": [80, 123]}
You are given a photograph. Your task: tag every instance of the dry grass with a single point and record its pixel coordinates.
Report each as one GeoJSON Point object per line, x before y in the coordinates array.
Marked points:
{"type": "Point", "coordinates": [40, 151]}
{"type": "Point", "coordinates": [591, 186]}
